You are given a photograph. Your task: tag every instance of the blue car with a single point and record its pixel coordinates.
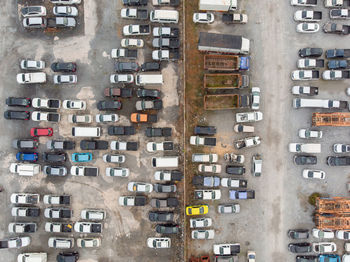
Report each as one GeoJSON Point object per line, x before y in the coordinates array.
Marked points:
{"type": "Point", "coordinates": [31, 157]}
{"type": "Point", "coordinates": [329, 258]}
{"type": "Point", "coordinates": [81, 157]}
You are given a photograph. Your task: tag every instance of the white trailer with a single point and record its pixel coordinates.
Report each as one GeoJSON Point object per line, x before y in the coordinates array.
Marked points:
{"type": "Point", "coordinates": [218, 5]}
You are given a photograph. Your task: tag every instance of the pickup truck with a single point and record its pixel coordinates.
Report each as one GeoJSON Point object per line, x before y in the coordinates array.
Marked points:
{"type": "Point", "coordinates": [305, 90]}
{"type": "Point", "coordinates": [84, 171]}
{"type": "Point", "coordinates": [15, 242]}
{"type": "Point", "coordinates": [121, 130]}
{"type": "Point", "coordinates": [124, 53]}
{"type": "Point", "coordinates": [132, 200]}
{"type": "Point", "coordinates": [304, 75]}
{"type": "Point", "coordinates": [226, 249]}
{"type": "Point", "coordinates": [169, 55]}
{"type": "Point", "coordinates": [136, 30]}
{"type": "Point", "coordinates": [118, 92]}
{"type": "Point", "coordinates": [246, 117]}
{"type": "Point", "coordinates": [124, 146]}
{"type": "Point", "coordinates": [61, 212]}
{"type": "Point", "coordinates": [21, 228]}
{"type": "Point", "coordinates": [206, 181]}
{"type": "Point", "coordinates": [336, 3]}
{"type": "Point", "coordinates": [235, 18]}
{"type": "Point", "coordinates": [204, 158]}
{"type": "Point", "coordinates": [161, 146]}
{"type": "Point", "coordinates": [339, 14]}
{"type": "Point", "coordinates": [24, 198]}
{"type": "Point", "coordinates": [134, 13]}
{"type": "Point", "coordinates": [45, 116]}
{"type": "Point", "coordinates": [336, 74]}
{"type": "Point", "coordinates": [31, 78]}
{"type": "Point", "coordinates": [247, 142]}
{"type": "Point", "coordinates": [210, 194]}
{"type": "Point", "coordinates": [307, 16]}
{"type": "Point", "coordinates": [171, 43]}
{"type": "Point", "coordinates": [149, 104]}
{"type": "Point", "coordinates": [338, 64]}
{"type": "Point", "coordinates": [25, 211]}
{"type": "Point", "coordinates": [56, 199]}
{"type": "Point", "coordinates": [310, 63]}
{"type": "Point", "coordinates": [158, 132]}
{"type": "Point", "coordinates": [56, 227]}
{"type": "Point", "coordinates": [333, 28]}
{"type": "Point", "coordinates": [202, 141]}
{"type": "Point", "coordinates": [46, 103]}
{"type": "Point", "coordinates": [143, 118]}
{"type": "Point", "coordinates": [303, 2]}
{"type": "Point", "coordinates": [61, 22]}
{"type": "Point", "coordinates": [337, 53]}
{"type": "Point", "coordinates": [171, 32]}
{"type": "Point", "coordinates": [232, 182]}
{"type": "Point", "coordinates": [135, 2]}
{"type": "Point", "coordinates": [165, 2]}
{"type": "Point", "coordinates": [242, 194]}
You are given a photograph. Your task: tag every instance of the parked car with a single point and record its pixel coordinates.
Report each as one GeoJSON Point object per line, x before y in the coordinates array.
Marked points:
{"type": "Point", "coordinates": [229, 209]}
{"type": "Point", "coordinates": [142, 105]}
{"type": "Point", "coordinates": [68, 257]}
{"type": "Point", "coordinates": [18, 101]}
{"type": "Point", "coordinates": [117, 171]}
{"type": "Point", "coordinates": [15, 242]}
{"type": "Point", "coordinates": [55, 157]}
{"type": "Point", "coordinates": [65, 79]}
{"type": "Point", "coordinates": [329, 258]}
{"type": "Point", "coordinates": [160, 216]}
{"type": "Point", "coordinates": [168, 175]}
{"type": "Point", "coordinates": [24, 198]}
{"type": "Point", "coordinates": [209, 168]}
{"type": "Point", "coordinates": [25, 144]}
{"type": "Point", "coordinates": [121, 78]}
{"type": "Point", "coordinates": [79, 119]}
{"type": "Point", "coordinates": [256, 165]}
{"type": "Point", "coordinates": [150, 66]}
{"type": "Point", "coordinates": [60, 145]}
{"type": "Point", "coordinates": [148, 93]}
{"type": "Point", "coordinates": [132, 42]}
{"type": "Point", "coordinates": [105, 118]}
{"type": "Point", "coordinates": [55, 170]}
{"type": "Point", "coordinates": [89, 242]}
{"type": "Point", "coordinates": [74, 104]}
{"type": "Point", "coordinates": [203, 234]}
{"type": "Point", "coordinates": [108, 158]}
{"type": "Point", "coordinates": [36, 10]}
{"type": "Point", "coordinates": [139, 187]}
{"type": "Point", "coordinates": [65, 11]}
{"type": "Point", "coordinates": [247, 142]}
{"type": "Point", "coordinates": [200, 222]}
{"type": "Point", "coordinates": [167, 229]}
{"type": "Point", "coordinates": [109, 105]}
{"type": "Point", "coordinates": [93, 145]}
{"type": "Point", "coordinates": [342, 234]}
{"type": "Point", "coordinates": [206, 181]}
{"type": "Point", "coordinates": [27, 64]}
{"type": "Point", "coordinates": [203, 18]}
{"type": "Point", "coordinates": [57, 199]}
{"type": "Point", "coordinates": [21, 228]}
{"type": "Point", "coordinates": [161, 242]}
{"type": "Point", "coordinates": [45, 116]}
{"type": "Point", "coordinates": [88, 227]}
{"type": "Point", "coordinates": [235, 170]}
{"type": "Point", "coordinates": [132, 201]}
{"type": "Point", "coordinates": [46, 103]}
{"type": "Point", "coordinates": [164, 203]}
{"type": "Point", "coordinates": [25, 212]}
{"type": "Point", "coordinates": [165, 188]}
{"type": "Point", "coordinates": [57, 227]}
{"type": "Point", "coordinates": [158, 132]}
{"type": "Point", "coordinates": [126, 67]}
{"type": "Point", "coordinates": [300, 247]}
{"type": "Point", "coordinates": [249, 117]}
{"type": "Point", "coordinates": [317, 174]}
{"type": "Point", "coordinates": [324, 247]}
{"type": "Point", "coordinates": [197, 210]}
{"type": "Point", "coordinates": [325, 233]}
{"type": "Point", "coordinates": [334, 28]}
{"type": "Point", "coordinates": [58, 212]}
{"type": "Point", "coordinates": [341, 148]}
{"type": "Point", "coordinates": [298, 233]}
{"type": "Point", "coordinates": [305, 160]}
{"type": "Point", "coordinates": [310, 52]}
{"type": "Point", "coordinates": [31, 78]}
{"type": "Point", "coordinates": [17, 115]}
{"type": "Point", "coordinates": [305, 90]}
{"type": "Point", "coordinates": [81, 157]}
{"type": "Point", "coordinates": [26, 156]}
{"type": "Point", "coordinates": [34, 22]}
{"type": "Point", "coordinates": [64, 67]}
{"type": "Point", "coordinates": [308, 28]}
{"type": "Point", "coordinates": [61, 243]}
{"type": "Point", "coordinates": [338, 160]}
{"type": "Point", "coordinates": [309, 133]}
{"type": "Point", "coordinates": [37, 131]}
{"type": "Point", "coordinates": [255, 98]}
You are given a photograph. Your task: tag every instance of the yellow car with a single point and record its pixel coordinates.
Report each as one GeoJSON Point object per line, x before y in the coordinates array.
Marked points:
{"type": "Point", "coordinates": [197, 210]}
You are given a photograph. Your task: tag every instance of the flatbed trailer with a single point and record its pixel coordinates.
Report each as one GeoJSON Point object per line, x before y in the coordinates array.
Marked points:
{"type": "Point", "coordinates": [226, 63]}
{"type": "Point", "coordinates": [225, 81]}
{"type": "Point", "coordinates": [229, 101]}
{"type": "Point", "coordinates": [332, 221]}
{"type": "Point", "coordinates": [332, 205]}
{"type": "Point", "coordinates": [331, 119]}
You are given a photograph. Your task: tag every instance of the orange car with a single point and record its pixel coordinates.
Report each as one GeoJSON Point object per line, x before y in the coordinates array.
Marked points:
{"type": "Point", "coordinates": [143, 118]}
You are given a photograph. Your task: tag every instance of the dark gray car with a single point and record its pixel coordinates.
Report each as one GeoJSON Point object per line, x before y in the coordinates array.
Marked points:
{"type": "Point", "coordinates": [126, 67]}
{"type": "Point", "coordinates": [55, 170]}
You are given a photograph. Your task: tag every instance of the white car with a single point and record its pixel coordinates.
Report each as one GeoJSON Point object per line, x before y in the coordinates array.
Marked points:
{"type": "Point", "coordinates": [345, 258]}
{"type": "Point", "coordinates": [324, 247]}
{"type": "Point", "coordinates": [255, 98]}
{"type": "Point", "coordinates": [65, 11]}
{"type": "Point", "coordinates": [37, 10]}
{"type": "Point", "coordinates": [200, 222]}
{"type": "Point", "coordinates": [209, 168]}
{"type": "Point", "coordinates": [132, 42]}
{"type": "Point", "coordinates": [45, 116]}
{"type": "Point", "coordinates": [317, 233]}
{"type": "Point", "coordinates": [65, 79]}
{"type": "Point", "coordinates": [74, 104]}
{"type": "Point", "coordinates": [132, 201]}
{"type": "Point", "coordinates": [93, 214]}
{"type": "Point", "coordinates": [140, 187]}
{"type": "Point", "coordinates": [203, 234]}
{"type": "Point", "coordinates": [308, 28]}
{"type": "Point", "coordinates": [251, 256]}
{"type": "Point", "coordinates": [307, 133]}
{"type": "Point", "coordinates": [17, 242]}
{"type": "Point", "coordinates": [159, 242]}
{"type": "Point", "coordinates": [79, 118]}
{"type": "Point", "coordinates": [61, 243]}
{"type": "Point", "coordinates": [89, 242]}
{"type": "Point", "coordinates": [239, 128]}
{"type": "Point", "coordinates": [108, 158]}
{"type": "Point", "coordinates": [161, 146]}
{"type": "Point", "coordinates": [34, 22]}
{"type": "Point", "coordinates": [305, 148]}
{"type": "Point", "coordinates": [341, 148]}
{"type": "Point", "coordinates": [66, 2]}
{"type": "Point", "coordinates": [302, 3]}
{"type": "Point", "coordinates": [318, 174]}
{"type": "Point", "coordinates": [24, 198]}
{"type": "Point", "coordinates": [300, 75]}
{"type": "Point", "coordinates": [124, 78]}
{"type": "Point", "coordinates": [307, 16]}
{"type": "Point", "coordinates": [117, 171]}
{"type": "Point", "coordinates": [256, 165]}
{"type": "Point", "coordinates": [203, 18]}
{"type": "Point", "coordinates": [342, 234]}
{"type": "Point", "coordinates": [105, 118]}
{"type": "Point", "coordinates": [229, 209]}
{"type": "Point", "coordinates": [249, 117]}
{"type": "Point", "coordinates": [32, 65]}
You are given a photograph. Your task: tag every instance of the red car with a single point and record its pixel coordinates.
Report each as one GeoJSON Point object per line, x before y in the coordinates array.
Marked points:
{"type": "Point", "coordinates": [38, 131]}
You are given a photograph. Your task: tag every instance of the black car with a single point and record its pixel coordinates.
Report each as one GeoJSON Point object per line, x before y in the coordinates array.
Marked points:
{"type": "Point", "coordinates": [18, 101]}
{"type": "Point", "coordinates": [167, 229]}
{"type": "Point", "coordinates": [235, 170]}
{"type": "Point", "coordinates": [205, 130]}
{"type": "Point", "coordinates": [158, 132]}
{"type": "Point", "coordinates": [135, 2]}
{"type": "Point", "coordinates": [109, 105]}
{"type": "Point", "coordinates": [150, 66]}
{"type": "Point", "coordinates": [300, 247]}
{"type": "Point", "coordinates": [55, 157]}
{"type": "Point", "coordinates": [305, 160]}
{"type": "Point", "coordinates": [25, 144]}
{"type": "Point", "coordinates": [307, 259]}
{"type": "Point", "coordinates": [298, 233]}
{"type": "Point", "coordinates": [64, 67]}
{"type": "Point", "coordinates": [310, 52]}
{"type": "Point", "coordinates": [17, 115]}
{"type": "Point", "coordinates": [149, 93]}
{"type": "Point", "coordinates": [121, 130]}
{"type": "Point", "coordinates": [93, 145]}
{"type": "Point", "coordinates": [125, 67]}
{"type": "Point", "coordinates": [67, 257]}
{"type": "Point", "coordinates": [161, 216]}
{"type": "Point", "coordinates": [338, 160]}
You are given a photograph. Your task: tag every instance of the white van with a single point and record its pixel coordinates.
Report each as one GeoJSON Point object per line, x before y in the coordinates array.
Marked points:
{"type": "Point", "coordinates": [32, 257]}
{"type": "Point", "coordinates": [86, 131]}
{"type": "Point", "coordinates": [310, 148]}
{"type": "Point", "coordinates": [315, 103]}
{"type": "Point", "coordinates": [149, 79]}
{"type": "Point", "coordinates": [25, 169]}
{"type": "Point", "coordinates": [170, 161]}
{"type": "Point", "coordinates": [164, 16]}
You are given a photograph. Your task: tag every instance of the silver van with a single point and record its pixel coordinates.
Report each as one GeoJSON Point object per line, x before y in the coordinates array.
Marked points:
{"type": "Point", "coordinates": [149, 79]}
{"type": "Point", "coordinates": [164, 16]}
{"type": "Point", "coordinates": [170, 161]}
{"type": "Point", "coordinates": [86, 131]}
